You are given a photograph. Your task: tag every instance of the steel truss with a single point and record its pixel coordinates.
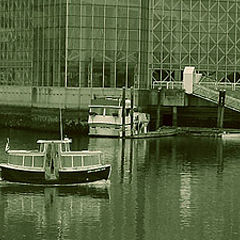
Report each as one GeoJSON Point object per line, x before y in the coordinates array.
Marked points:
{"type": "Point", "coordinates": [204, 34]}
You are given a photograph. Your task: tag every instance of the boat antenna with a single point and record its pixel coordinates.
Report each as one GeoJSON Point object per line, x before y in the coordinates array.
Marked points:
{"type": "Point", "coordinates": [61, 126]}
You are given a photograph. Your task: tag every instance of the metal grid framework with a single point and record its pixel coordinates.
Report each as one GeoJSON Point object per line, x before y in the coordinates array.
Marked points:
{"type": "Point", "coordinates": [32, 42]}
{"type": "Point", "coordinates": [115, 43]}
{"type": "Point", "coordinates": [200, 33]}
{"type": "Point", "coordinates": [107, 43]}
{"type": "Point", "coordinates": [74, 43]}
{"type": "Point", "coordinates": [15, 43]}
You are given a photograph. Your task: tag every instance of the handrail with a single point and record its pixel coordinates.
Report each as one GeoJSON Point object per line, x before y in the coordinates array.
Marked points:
{"type": "Point", "coordinates": [220, 85]}
{"type": "Point", "coordinates": [210, 94]}
{"type": "Point", "coordinates": [24, 153]}
{"type": "Point", "coordinates": [168, 84]}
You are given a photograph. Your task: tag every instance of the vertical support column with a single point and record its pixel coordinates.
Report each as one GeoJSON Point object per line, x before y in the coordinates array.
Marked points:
{"type": "Point", "coordinates": [104, 44]}
{"type": "Point", "coordinates": [158, 109]}
{"type": "Point", "coordinates": [66, 49]}
{"type": "Point", "coordinates": [221, 103]}
{"type": "Point", "coordinates": [61, 123]}
{"type": "Point", "coordinates": [123, 111]}
{"type": "Point", "coordinates": [174, 116]}
{"type": "Point", "coordinates": [131, 112]}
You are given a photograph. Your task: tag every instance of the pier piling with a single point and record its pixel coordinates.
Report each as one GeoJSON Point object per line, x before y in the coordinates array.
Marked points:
{"type": "Point", "coordinates": [123, 111]}
{"type": "Point", "coordinates": [158, 109]}
{"type": "Point", "coordinates": [174, 116]}
{"type": "Point", "coordinates": [221, 103]}
{"type": "Point", "coordinates": [131, 111]}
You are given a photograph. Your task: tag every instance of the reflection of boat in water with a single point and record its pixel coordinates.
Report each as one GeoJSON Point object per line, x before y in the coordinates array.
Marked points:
{"type": "Point", "coordinates": [94, 191]}
{"type": "Point", "coordinates": [54, 163]}
{"type": "Point", "coordinates": [106, 118]}
{"type": "Point", "coordinates": [40, 206]}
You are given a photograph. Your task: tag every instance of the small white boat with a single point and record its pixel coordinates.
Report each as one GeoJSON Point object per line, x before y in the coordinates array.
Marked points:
{"type": "Point", "coordinates": [54, 163]}
{"type": "Point", "coordinates": [106, 118]}
{"type": "Point", "coordinates": [230, 135]}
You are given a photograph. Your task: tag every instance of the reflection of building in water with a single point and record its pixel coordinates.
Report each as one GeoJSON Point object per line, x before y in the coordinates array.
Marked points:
{"type": "Point", "coordinates": [40, 208]}
{"type": "Point", "coordinates": [185, 195]}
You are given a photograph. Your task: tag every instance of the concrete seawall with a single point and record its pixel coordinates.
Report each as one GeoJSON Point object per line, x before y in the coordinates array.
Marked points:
{"type": "Point", "coordinates": [38, 108]}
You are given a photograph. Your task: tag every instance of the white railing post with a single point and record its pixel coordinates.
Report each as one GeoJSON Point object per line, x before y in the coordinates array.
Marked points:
{"type": "Point", "coordinates": [82, 160]}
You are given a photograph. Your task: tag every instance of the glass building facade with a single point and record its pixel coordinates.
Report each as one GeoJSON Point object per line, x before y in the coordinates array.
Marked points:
{"type": "Point", "coordinates": [74, 43]}
{"type": "Point", "coordinates": [115, 43]}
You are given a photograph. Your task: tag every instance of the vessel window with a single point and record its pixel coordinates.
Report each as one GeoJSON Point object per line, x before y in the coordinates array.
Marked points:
{"type": "Point", "coordinates": [66, 161]}
{"type": "Point", "coordinates": [96, 111]}
{"type": "Point", "coordinates": [28, 161]}
{"type": "Point", "coordinates": [77, 161]}
{"type": "Point", "coordinates": [16, 160]}
{"type": "Point", "coordinates": [38, 161]}
{"type": "Point", "coordinates": [90, 160]}
{"type": "Point", "coordinates": [111, 112]}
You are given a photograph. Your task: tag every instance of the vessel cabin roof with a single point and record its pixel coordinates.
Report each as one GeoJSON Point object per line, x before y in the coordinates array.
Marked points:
{"type": "Point", "coordinates": [105, 102]}
{"type": "Point", "coordinates": [55, 141]}
{"type": "Point", "coordinates": [108, 102]}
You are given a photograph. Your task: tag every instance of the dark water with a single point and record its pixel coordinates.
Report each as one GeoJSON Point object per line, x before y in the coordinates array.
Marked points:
{"type": "Point", "coordinates": [168, 188]}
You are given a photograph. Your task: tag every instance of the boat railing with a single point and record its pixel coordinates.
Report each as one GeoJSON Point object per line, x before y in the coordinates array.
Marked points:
{"type": "Point", "coordinates": [26, 158]}
{"type": "Point", "coordinates": [76, 159]}
{"type": "Point", "coordinates": [25, 152]}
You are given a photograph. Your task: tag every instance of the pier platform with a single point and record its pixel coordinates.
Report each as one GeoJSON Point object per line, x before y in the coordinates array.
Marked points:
{"type": "Point", "coordinates": [190, 131]}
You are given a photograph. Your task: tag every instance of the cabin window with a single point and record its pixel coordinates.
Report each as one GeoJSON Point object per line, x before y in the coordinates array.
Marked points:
{"type": "Point", "coordinates": [96, 111]}
{"type": "Point", "coordinates": [38, 161]}
{"type": "Point", "coordinates": [66, 161]}
{"type": "Point", "coordinates": [28, 161]}
{"type": "Point", "coordinates": [15, 160]}
{"type": "Point", "coordinates": [111, 112]}
{"type": "Point", "coordinates": [77, 161]}
{"type": "Point", "coordinates": [91, 160]}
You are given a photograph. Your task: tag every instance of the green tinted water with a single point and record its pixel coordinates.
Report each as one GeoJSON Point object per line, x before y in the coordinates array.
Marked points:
{"type": "Point", "coordinates": [168, 188]}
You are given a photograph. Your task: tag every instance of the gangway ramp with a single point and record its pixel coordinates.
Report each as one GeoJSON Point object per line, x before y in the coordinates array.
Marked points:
{"type": "Point", "coordinates": [213, 95]}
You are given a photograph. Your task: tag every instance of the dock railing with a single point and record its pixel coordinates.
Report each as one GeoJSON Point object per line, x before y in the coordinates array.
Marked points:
{"type": "Point", "coordinates": [167, 85]}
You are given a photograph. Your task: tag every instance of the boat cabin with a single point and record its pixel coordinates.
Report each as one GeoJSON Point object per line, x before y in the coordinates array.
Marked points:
{"type": "Point", "coordinates": [62, 145]}
{"type": "Point", "coordinates": [54, 162]}
{"type": "Point", "coordinates": [55, 153]}
{"type": "Point", "coordinates": [106, 118]}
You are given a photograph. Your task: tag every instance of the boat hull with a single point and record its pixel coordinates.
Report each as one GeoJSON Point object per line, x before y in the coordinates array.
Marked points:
{"type": "Point", "coordinates": [108, 131]}
{"type": "Point", "coordinates": [65, 177]}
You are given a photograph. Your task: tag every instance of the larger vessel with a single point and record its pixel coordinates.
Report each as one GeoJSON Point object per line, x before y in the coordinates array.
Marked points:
{"type": "Point", "coordinates": [106, 118]}
{"type": "Point", "coordinates": [54, 163]}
